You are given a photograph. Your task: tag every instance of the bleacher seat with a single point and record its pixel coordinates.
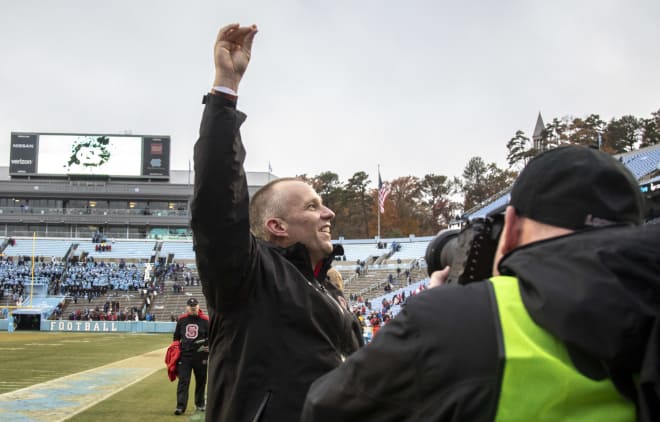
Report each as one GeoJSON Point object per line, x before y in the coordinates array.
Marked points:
{"type": "Point", "coordinates": [411, 250]}
{"type": "Point", "coordinates": [39, 247]}
{"type": "Point", "coordinates": [361, 251]}
{"type": "Point", "coordinates": [127, 249]}
{"type": "Point", "coordinates": [642, 162]}
{"type": "Point", "coordinates": [181, 250]}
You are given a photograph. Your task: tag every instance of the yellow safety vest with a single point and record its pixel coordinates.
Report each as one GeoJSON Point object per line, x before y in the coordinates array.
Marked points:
{"type": "Point", "coordinates": [540, 383]}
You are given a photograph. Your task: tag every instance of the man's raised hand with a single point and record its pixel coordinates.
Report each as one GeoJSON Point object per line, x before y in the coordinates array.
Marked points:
{"type": "Point", "coordinates": [232, 51]}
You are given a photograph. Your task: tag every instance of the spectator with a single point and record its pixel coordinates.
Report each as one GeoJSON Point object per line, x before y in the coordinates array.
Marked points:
{"type": "Point", "coordinates": [263, 267]}
{"type": "Point", "coordinates": [566, 330]}
{"type": "Point", "coordinates": [334, 277]}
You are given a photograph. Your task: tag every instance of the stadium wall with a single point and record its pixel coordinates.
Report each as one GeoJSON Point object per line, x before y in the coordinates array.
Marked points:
{"type": "Point", "coordinates": [101, 326]}
{"type": "Point", "coordinates": [108, 326]}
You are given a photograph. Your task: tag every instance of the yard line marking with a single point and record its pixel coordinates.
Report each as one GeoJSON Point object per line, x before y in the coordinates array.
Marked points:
{"type": "Point", "coordinates": [64, 397]}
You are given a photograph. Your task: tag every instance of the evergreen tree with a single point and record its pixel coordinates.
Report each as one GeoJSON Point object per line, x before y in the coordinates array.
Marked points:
{"type": "Point", "coordinates": [520, 150]}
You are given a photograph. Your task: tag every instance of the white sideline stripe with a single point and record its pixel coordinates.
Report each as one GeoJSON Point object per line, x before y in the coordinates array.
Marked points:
{"type": "Point", "coordinates": [149, 366]}
{"type": "Point", "coordinates": [116, 363]}
{"type": "Point", "coordinates": [149, 373]}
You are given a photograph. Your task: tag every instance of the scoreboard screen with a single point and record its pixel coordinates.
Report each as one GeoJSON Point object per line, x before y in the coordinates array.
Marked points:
{"type": "Point", "coordinates": [58, 154]}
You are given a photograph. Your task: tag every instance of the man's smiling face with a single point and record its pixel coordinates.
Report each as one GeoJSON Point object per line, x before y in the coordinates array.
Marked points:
{"type": "Point", "coordinates": [306, 219]}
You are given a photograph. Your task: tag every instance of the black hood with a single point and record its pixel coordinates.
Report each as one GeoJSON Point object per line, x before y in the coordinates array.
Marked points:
{"type": "Point", "coordinates": [599, 292]}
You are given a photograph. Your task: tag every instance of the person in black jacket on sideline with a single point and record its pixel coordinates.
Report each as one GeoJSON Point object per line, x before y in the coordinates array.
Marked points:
{"type": "Point", "coordinates": [277, 323]}
{"type": "Point", "coordinates": [192, 332]}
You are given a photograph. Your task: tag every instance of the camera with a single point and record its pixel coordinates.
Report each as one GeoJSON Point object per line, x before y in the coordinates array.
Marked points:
{"type": "Point", "coordinates": [469, 251]}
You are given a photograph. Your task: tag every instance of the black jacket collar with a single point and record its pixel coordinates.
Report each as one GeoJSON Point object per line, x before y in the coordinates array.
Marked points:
{"type": "Point", "coordinates": [298, 255]}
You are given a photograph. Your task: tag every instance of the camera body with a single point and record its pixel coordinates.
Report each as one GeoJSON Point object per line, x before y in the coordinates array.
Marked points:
{"type": "Point", "coordinates": [469, 251]}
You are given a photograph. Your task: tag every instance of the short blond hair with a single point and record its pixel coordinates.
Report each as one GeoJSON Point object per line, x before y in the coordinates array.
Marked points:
{"type": "Point", "coordinates": [265, 204]}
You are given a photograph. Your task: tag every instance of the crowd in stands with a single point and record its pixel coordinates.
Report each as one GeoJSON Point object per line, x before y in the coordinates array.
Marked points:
{"type": "Point", "coordinates": [112, 310]}
{"type": "Point", "coordinates": [80, 281]}
{"type": "Point", "coordinates": [372, 318]}
{"type": "Point", "coordinates": [100, 314]}
{"type": "Point", "coordinates": [103, 247]}
{"type": "Point", "coordinates": [15, 275]}
{"type": "Point", "coordinates": [92, 279]}
{"type": "Point", "coordinates": [182, 277]}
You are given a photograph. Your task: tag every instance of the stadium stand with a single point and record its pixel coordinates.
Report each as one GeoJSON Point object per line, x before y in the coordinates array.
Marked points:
{"type": "Point", "coordinates": [373, 279]}
{"type": "Point", "coordinates": [129, 250]}
{"type": "Point", "coordinates": [641, 162]}
{"type": "Point", "coordinates": [158, 244]}
{"type": "Point", "coordinates": [377, 311]}
{"type": "Point", "coordinates": [406, 291]}
{"type": "Point", "coordinates": [18, 276]}
{"type": "Point", "coordinates": [412, 250]}
{"type": "Point", "coordinates": [168, 304]}
{"type": "Point", "coordinates": [38, 247]}
{"type": "Point", "coordinates": [362, 251]}
{"type": "Point", "coordinates": [89, 275]}
{"type": "Point", "coordinates": [181, 250]}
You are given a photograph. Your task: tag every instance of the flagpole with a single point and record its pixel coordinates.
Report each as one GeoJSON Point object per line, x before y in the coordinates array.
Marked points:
{"type": "Point", "coordinates": [34, 241]}
{"type": "Point", "coordinates": [378, 204]}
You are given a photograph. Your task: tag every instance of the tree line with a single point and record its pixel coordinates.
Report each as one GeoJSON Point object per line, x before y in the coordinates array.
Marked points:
{"type": "Point", "coordinates": [619, 135]}
{"type": "Point", "coordinates": [423, 206]}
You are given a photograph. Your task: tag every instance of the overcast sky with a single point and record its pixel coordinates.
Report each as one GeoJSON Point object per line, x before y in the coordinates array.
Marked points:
{"type": "Point", "coordinates": [416, 86]}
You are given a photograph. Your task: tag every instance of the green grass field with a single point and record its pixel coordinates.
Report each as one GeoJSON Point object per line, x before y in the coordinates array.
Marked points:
{"type": "Point", "coordinates": [30, 358]}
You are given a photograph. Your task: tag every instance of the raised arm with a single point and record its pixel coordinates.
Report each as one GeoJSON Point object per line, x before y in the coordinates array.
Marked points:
{"type": "Point", "coordinates": [220, 220]}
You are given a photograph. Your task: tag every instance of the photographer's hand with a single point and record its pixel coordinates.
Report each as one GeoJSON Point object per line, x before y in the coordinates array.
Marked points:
{"type": "Point", "coordinates": [439, 277]}
{"type": "Point", "coordinates": [231, 54]}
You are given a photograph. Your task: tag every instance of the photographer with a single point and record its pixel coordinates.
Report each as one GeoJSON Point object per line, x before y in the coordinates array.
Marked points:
{"type": "Point", "coordinates": [567, 329]}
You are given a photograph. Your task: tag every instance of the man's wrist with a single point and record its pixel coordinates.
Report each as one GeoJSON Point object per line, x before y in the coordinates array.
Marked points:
{"type": "Point", "coordinates": [221, 98]}
{"type": "Point", "coordinates": [228, 82]}
{"type": "Point", "coordinates": [225, 90]}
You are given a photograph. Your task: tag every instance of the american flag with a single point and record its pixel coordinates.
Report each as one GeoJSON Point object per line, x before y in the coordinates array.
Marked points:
{"type": "Point", "coordinates": [383, 191]}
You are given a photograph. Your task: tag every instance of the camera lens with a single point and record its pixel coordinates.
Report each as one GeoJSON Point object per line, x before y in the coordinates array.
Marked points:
{"type": "Point", "coordinates": [441, 250]}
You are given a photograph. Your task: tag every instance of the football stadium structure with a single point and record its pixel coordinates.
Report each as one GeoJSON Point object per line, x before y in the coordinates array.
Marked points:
{"type": "Point", "coordinates": [95, 228]}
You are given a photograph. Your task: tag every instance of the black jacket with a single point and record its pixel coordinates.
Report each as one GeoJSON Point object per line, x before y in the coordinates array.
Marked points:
{"type": "Point", "coordinates": [275, 327]}
{"type": "Point", "coordinates": [193, 332]}
{"type": "Point", "coordinates": [442, 357]}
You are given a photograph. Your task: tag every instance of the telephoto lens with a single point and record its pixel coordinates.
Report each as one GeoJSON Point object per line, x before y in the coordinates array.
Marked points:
{"type": "Point", "coordinates": [441, 251]}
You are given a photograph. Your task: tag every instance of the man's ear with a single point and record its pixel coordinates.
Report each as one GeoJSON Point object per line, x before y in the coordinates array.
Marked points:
{"type": "Point", "coordinates": [510, 237]}
{"type": "Point", "coordinates": [277, 227]}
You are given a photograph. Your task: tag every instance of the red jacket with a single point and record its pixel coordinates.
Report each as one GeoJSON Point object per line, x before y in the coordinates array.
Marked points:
{"type": "Point", "coordinates": [171, 358]}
